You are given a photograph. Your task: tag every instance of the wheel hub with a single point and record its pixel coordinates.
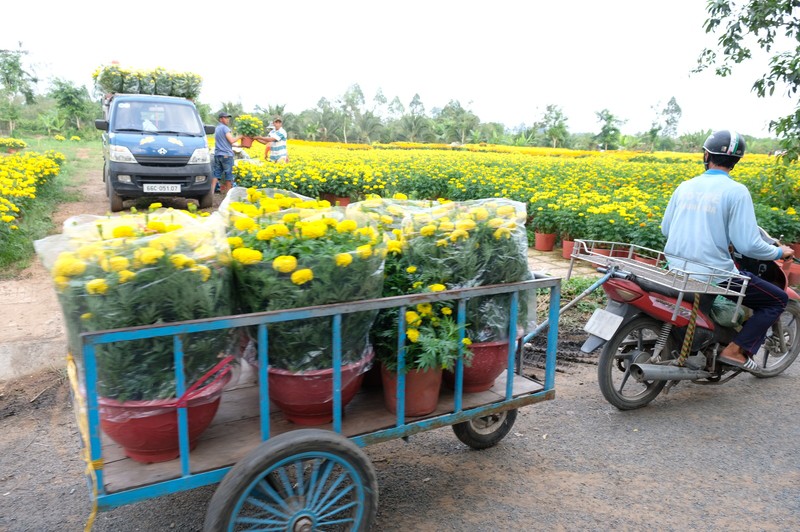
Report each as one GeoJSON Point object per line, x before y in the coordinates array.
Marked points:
{"type": "Point", "coordinates": [303, 523]}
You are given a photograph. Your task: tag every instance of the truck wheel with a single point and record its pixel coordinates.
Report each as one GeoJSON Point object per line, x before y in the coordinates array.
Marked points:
{"type": "Point", "coordinates": [207, 201]}
{"type": "Point", "coordinates": [303, 480]}
{"type": "Point", "coordinates": [115, 201]}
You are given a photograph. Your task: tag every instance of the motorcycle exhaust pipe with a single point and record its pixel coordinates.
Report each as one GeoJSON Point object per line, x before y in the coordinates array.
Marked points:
{"type": "Point", "coordinates": [657, 372]}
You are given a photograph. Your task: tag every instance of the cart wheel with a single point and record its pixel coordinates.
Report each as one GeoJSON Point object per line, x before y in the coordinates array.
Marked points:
{"type": "Point", "coordinates": [487, 431]}
{"type": "Point", "coordinates": [304, 480]}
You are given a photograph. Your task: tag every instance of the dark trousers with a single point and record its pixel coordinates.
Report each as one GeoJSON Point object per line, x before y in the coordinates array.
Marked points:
{"type": "Point", "coordinates": [767, 302]}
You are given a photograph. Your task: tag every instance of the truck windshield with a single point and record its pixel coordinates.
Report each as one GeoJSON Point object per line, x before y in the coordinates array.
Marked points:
{"type": "Point", "coordinates": [156, 118]}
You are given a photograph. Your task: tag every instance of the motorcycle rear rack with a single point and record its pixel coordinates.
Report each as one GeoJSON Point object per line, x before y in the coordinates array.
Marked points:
{"type": "Point", "coordinates": [630, 258]}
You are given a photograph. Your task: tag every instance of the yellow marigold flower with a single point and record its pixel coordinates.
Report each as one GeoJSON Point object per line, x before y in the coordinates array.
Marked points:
{"type": "Point", "coordinates": [125, 276]}
{"type": "Point", "coordinates": [411, 269]}
{"type": "Point", "coordinates": [7, 218]}
{"type": "Point", "coordinates": [244, 224]}
{"type": "Point", "coordinates": [61, 282]}
{"type": "Point", "coordinates": [428, 230]}
{"type": "Point", "coordinates": [480, 213]}
{"type": "Point", "coordinates": [246, 255]}
{"type": "Point", "coordinates": [400, 196]}
{"type": "Point", "coordinates": [205, 272]}
{"type": "Point", "coordinates": [442, 242]}
{"type": "Point", "coordinates": [346, 226]}
{"type": "Point", "coordinates": [86, 316]}
{"type": "Point", "coordinates": [290, 217]}
{"type": "Point", "coordinates": [506, 211]}
{"type": "Point", "coordinates": [426, 309]}
{"type": "Point", "coordinates": [447, 226]}
{"type": "Point", "coordinates": [180, 261]}
{"type": "Point", "coordinates": [412, 335]}
{"type": "Point", "coordinates": [447, 311]}
{"type": "Point", "coordinates": [154, 206]}
{"type": "Point", "coordinates": [118, 263]}
{"type": "Point", "coordinates": [416, 285]}
{"type": "Point", "coordinates": [343, 259]}
{"type": "Point", "coordinates": [315, 229]}
{"type": "Point", "coordinates": [458, 234]}
{"type": "Point", "coordinates": [395, 210]}
{"type": "Point", "coordinates": [205, 252]}
{"type": "Point", "coordinates": [68, 266]}
{"type": "Point", "coordinates": [150, 255]}
{"type": "Point", "coordinates": [97, 286]}
{"type": "Point", "coordinates": [386, 219]}
{"type": "Point", "coordinates": [364, 251]}
{"type": "Point", "coordinates": [235, 242]}
{"type": "Point", "coordinates": [157, 226]}
{"type": "Point", "coordinates": [164, 242]}
{"type": "Point", "coordinates": [394, 246]}
{"type": "Point", "coordinates": [467, 342]}
{"type": "Point", "coordinates": [284, 263]}
{"type": "Point", "coordinates": [467, 224]}
{"type": "Point", "coordinates": [413, 319]}
{"type": "Point", "coordinates": [122, 231]}
{"type": "Point", "coordinates": [303, 276]}
{"type": "Point", "coordinates": [437, 287]}
{"type": "Point", "coordinates": [502, 232]}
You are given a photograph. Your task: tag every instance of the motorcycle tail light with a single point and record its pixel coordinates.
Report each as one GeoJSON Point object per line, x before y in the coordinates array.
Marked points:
{"type": "Point", "coordinates": [618, 293]}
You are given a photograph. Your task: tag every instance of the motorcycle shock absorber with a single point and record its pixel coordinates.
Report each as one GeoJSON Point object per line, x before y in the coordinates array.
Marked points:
{"type": "Point", "coordinates": [666, 327]}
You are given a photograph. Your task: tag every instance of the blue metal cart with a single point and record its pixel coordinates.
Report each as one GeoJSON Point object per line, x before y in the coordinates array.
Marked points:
{"type": "Point", "coordinates": [275, 475]}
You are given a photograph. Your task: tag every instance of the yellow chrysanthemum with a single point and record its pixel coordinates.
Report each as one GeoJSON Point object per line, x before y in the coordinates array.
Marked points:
{"type": "Point", "coordinates": [413, 318]}
{"type": "Point", "coordinates": [502, 232]}
{"type": "Point", "coordinates": [205, 271]}
{"type": "Point", "coordinates": [344, 259]}
{"type": "Point", "coordinates": [181, 261]}
{"type": "Point", "coordinates": [467, 224]}
{"type": "Point", "coordinates": [117, 263]}
{"type": "Point", "coordinates": [467, 342]}
{"type": "Point", "coordinates": [246, 255]}
{"type": "Point", "coordinates": [425, 309]}
{"type": "Point", "coordinates": [122, 231]}
{"type": "Point", "coordinates": [244, 223]}
{"type": "Point", "coordinates": [394, 246]}
{"type": "Point", "coordinates": [157, 226]}
{"type": "Point", "coordinates": [68, 266]}
{"type": "Point", "coordinates": [411, 269]}
{"type": "Point", "coordinates": [125, 276]}
{"type": "Point", "coordinates": [428, 230]}
{"type": "Point", "coordinates": [284, 263]}
{"type": "Point", "coordinates": [447, 311]}
{"type": "Point", "coordinates": [61, 282]}
{"type": "Point", "coordinates": [447, 226]}
{"type": "Point", "coordinates": [412, 335]}
{"type": "Point", "coordinates": [364, 251]}
{"type": "Point", "coordinates": [346, 226]}
{"type": "Point", "coordinates": [205, 252]}
{"type": "Point", "coordinates": [315, 229]}
{"type": "Point", "coordinates": [97, 286]}
{"type": "Point", "coordinates": [149, 255]}
{"type": "Point", "coordinates": [458, 234]}
{"type": "Point", "coordinates": [437, 287]}
{"type": "Point", "coordinates": [165, 242]}
{"type": "Point", "coordinates": [235, 242]}
{"type": "Point", "coordinates": [301, 277]}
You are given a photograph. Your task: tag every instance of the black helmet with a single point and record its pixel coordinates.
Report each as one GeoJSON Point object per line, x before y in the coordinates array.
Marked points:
{"type": "Point", "coordinates": [725, 142]}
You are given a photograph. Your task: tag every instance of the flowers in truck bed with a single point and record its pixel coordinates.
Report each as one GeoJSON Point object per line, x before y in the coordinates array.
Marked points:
{"type": "Point", "coordinates": [116, 79]}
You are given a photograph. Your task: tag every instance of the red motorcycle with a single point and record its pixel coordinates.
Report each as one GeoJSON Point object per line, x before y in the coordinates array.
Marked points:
{"type": "Point", "coordinates": [651, 310]}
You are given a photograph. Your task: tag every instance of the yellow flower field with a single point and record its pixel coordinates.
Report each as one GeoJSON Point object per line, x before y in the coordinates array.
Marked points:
{"type": "Point", "coordinates": [21, 175]}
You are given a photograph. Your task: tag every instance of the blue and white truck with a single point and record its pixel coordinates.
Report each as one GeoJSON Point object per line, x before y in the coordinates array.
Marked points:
{"type": "Point", "coordinates": [154, 146]}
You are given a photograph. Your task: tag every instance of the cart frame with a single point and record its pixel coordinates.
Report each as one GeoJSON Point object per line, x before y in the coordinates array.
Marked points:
{"type": "Point", "coordinates": [508, 396]}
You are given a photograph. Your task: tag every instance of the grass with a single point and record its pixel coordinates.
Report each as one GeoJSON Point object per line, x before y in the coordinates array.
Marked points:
{"type": "Point", "coordinates": [577, 315]}
{"type": "Point", "coordinates": [18, 253]}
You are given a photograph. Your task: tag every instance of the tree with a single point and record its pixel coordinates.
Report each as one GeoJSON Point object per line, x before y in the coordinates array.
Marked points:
{"type": "Point", "coordinates": [14, 81]}
{"type": "Point", "coordinates": [73, 103]}
{"type": "Point", "coordinates": [554, 124]}
{"type": "Point", "coordinates": [608, 138]}
{"type": "Point", "coordinates": [672, 115]}
{"type": "Point", "coordinates": [775, 27]}
{"type": "Point", "coordinates": [455, 122]}
{"type": "Point", "coordinates": [350, 104]}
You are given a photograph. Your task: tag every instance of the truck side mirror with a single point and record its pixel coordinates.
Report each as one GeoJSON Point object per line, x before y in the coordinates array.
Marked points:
{"type": "Point", "coordinates": [209, 129]}
{"type": "Point", "coordinates": [102, 125]}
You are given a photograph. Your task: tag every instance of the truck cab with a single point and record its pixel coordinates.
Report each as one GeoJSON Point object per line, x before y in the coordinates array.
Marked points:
{"type": "Point", "coordinates": [154, 146]}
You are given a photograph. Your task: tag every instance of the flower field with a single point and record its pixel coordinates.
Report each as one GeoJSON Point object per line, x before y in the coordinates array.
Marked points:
{"type": "Point", "coordinates": [618, 196]}
{"type": "Point", "coordinates": [22, 176]}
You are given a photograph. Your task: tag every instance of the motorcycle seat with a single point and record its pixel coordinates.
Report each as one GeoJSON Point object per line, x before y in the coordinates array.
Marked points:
{"type": "Point", "coordinates": [706, 300]}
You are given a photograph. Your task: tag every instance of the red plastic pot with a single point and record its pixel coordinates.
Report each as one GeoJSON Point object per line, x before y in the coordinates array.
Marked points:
{"type": "Point", "coordinates": [422, 391]}
{"type": "Point", "coordinates": [341, 201]}
{"type": "Point", "coordinates": [544, 241]}
{"type": "Point", "coordinates": [566, 248]}
{"type": "Point", "coordinates": [148, 430]}
{"type": "Point", "coordinates": [306, 397]}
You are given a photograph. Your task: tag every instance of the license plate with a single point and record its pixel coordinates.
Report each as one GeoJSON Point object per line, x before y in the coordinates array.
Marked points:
{"type": "Point", "coordinates": [603, 324]}
{"type": "Point", "coordinates": [161, 187]}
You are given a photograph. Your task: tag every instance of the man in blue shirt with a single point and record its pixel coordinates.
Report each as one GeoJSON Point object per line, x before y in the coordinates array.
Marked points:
{"type": "Point", "coordinates": [223, 154]}
{"type": "Point", "coordinates": [706, 215]}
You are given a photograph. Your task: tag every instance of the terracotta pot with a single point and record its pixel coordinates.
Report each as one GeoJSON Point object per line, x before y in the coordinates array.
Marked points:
{"type": "Point", "coordinates": [796, 248]}
{"type": "Point", "coordinates": [306, 397]}
{"type": "Point", "coordinates": [793, 275]}
{"type": "Point", "coordinates": [341, 201]}
{"type": "Point", "coordinates": [246, 142]}
{"type": "Point", "coordinates": [489, 360]}
{"type": "Point", "coordinates": [148, 430]}
{"type": "Point", "coordinates": [647, 260]}
{"type": "Point", "coordinates": [566, 248]}
{"type": "Point", "coordinates": [422, 391]}
{"type": "Point", "coordinates": [544, 241]}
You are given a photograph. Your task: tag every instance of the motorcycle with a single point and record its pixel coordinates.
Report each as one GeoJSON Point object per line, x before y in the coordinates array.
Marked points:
{"type": "Point", "coordinates": [651, 311]}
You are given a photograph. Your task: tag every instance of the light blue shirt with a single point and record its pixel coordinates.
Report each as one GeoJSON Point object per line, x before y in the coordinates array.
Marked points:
{"type": "Point", "coordinates": [704, 216]}
{"type": "Point", "coordinates": [221, 144]}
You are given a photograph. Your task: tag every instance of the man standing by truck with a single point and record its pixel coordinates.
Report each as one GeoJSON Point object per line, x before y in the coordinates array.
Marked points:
{"type": "Point", "coordinates": [223, 154]}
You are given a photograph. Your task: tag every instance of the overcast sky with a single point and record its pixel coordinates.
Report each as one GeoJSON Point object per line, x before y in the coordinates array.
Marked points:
{"type": "Point", "coordinates": [505, 61]}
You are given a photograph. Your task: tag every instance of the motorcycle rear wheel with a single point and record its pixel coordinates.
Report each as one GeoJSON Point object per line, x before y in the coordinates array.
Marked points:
{"type": "Point", "coordinates": [632, 343]}
{"type": "Point", "coordinates": [771, 358]}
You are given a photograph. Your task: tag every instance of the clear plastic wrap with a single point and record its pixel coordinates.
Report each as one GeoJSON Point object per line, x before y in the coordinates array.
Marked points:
{"type": "Point", "coordinates": [142, 269]}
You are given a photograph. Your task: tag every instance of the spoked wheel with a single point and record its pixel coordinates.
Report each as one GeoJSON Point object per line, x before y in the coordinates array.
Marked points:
{"type": "Point", "coordinates": [771, 358]}
{"type": "Point", "coordinates": [632, 343]}
{"type": "Point", "coordinates": [487, 431]}
{"type": "Point", "coordinates": [300, 481]}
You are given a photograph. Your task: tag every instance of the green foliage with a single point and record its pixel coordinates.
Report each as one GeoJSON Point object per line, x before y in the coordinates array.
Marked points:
{"type": "Point", "coordinates": [783, 224]}
{"type": "Point", "coordinates": [249, 126]}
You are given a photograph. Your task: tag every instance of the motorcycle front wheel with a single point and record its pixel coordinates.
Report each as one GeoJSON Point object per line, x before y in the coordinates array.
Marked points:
{"type": "Point", "coordinates": [771, 358]}
{"type": "Point", "coordinates": [632, 343]}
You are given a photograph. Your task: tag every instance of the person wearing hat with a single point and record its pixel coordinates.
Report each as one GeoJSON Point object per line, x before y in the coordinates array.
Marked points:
{"type": "Point", "coordinates": [223, 154]}
{"type": "Point", "coordinates": [276, 142]}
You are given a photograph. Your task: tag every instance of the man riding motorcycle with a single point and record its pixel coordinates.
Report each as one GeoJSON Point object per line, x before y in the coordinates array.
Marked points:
{"type": "Point", "coordinates": [708, 214]}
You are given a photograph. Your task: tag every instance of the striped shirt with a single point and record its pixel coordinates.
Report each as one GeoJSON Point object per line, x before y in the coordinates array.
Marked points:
{"type": "Point", "coordinates": [278, 148]}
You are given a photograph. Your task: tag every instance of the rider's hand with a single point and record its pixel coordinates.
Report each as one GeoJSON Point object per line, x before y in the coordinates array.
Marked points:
{"type": "Point", "coordinates": [787, 252]}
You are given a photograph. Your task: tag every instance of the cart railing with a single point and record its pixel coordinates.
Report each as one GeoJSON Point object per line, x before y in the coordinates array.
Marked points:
{"type": "Point", "coordinates": [189, 477]}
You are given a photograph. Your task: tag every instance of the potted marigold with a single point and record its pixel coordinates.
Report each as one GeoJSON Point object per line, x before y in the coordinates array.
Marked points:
{"type": "Point", "coordinates": [301, 257]}
{"type": "Point", "coordinates": [142, 269]}
{"type": "Point", "coordinates": [249, 127]}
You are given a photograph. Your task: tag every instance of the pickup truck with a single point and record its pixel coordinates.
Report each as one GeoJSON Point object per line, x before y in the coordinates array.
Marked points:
{"type": "Point", "coordinates": [154, 146]}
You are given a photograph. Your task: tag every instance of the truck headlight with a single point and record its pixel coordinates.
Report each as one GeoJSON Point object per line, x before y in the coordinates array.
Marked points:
{"type": "Point", "coordinates": [200, 156]}
{"type": "Point", "coordinates": [121, 154]}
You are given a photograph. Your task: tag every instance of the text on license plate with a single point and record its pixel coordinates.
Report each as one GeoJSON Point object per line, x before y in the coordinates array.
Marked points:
{"type": "Point", "coordinates": [161, 187]}
{"type": "Point", "coordinates": [603, 324]}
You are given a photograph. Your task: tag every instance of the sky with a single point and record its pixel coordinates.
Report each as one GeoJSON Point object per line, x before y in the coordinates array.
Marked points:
{"type": "Point", "coordinates": [505, 61]}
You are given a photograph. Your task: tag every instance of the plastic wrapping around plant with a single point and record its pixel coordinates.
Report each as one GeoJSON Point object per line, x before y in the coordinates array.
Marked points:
{"type": "Point", "coordinates": [142, 269]}
{"type": "Point", "coordinates": [447, 245]}
{"type": "Point", "coordinates": [292, 252]}
{"type": "Point", "coordinates": [116, 79]}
